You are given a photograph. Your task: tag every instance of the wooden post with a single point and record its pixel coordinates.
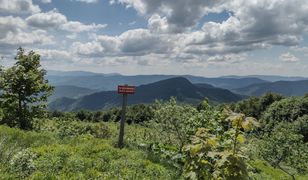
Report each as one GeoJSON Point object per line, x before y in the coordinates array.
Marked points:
{"type": "Point", "coordinates": [122, 123]}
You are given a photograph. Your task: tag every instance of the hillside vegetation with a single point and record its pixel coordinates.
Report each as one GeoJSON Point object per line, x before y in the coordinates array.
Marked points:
{"type": "Point", "coordinates": [178, 87]}
{"type": "Point", "coordinates": [163, 145]}
{"type": "Point", "coordinates": [256, 138]}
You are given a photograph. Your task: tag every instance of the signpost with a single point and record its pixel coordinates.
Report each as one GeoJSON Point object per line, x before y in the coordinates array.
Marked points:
{"type": "Point", "coordinates": [125, 90]}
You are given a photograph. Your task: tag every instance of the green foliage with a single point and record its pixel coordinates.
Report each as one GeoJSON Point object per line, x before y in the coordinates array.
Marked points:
{"type": "Point", "coordinates": [71, 128]}
{"type": "Point", "coordinates": [255, 106]}
{"type": "Point", "coordinates": [263, 170]}
{"type": "Point", "coordinates": [78, 157]}
{"type": "Point", "coordinates": [25, 90]}
{"type": "Point", "coordinates": [286, 110]}
{"type": "Point", "coordinates": [22, 163]}
{"type": "Point", "coordinates": [217, 155]}
{"type": "Point", "coordinates": [1, 114]}
{"type": "Point", "coordinates": [171, 118]}
{"type": "Point", "coordinates": [300, 126]}
{"type": "Point", "coordinates": [139, 113]}
{"type": "Point", "coordinates": [283, 148]}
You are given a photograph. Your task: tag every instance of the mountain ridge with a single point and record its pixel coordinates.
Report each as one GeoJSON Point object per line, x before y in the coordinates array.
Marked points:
{"type": "Point", "coordinates": [179, 87]}
{"type": "Point", "coordinates": [287, 88]}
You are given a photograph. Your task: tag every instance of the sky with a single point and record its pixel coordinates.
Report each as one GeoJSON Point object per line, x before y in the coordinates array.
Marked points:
{"type": "Point", "coordinates": [197, 37]}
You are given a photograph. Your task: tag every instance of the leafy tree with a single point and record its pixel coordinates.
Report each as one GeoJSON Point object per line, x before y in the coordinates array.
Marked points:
{"type": "Point", "coordinates": [139, 113]}
{"type": "Point", "coordinates": [255, 106]}
{"type": "Point", "coordinates": [171, 118]}
{"type": "Point", "coordinates": [283, 147]}
{"type": "Point", "coordinates": [25, 91]}
{"type": "Point", "coordinates": [300, 126]}
{"type": "Point", "coordinates": [286, 110]}
{"type": "Point", "coordinates": [267, 99]}
{"type": "Point", "coordinates": [217, 155]}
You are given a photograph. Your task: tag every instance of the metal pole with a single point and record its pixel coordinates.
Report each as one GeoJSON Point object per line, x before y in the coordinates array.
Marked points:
{"type": "Point", "coordinates": [122, 123]}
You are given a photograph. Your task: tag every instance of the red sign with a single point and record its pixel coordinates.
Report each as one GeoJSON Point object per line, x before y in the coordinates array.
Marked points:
{"type": "Point", "coordinates": [125, 89]}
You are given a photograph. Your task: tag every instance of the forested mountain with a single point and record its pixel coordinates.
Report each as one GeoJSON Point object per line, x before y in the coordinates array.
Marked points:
{"type": "Point", "coordinates": [69, 92]}
{"type": "Point", "coordinates": [270, 78]}
{"type": "Point", "coordinates": [287, 88]}
{"type": "Point", "coordinates": [109, 82]}
{"type": "Point", "coordinates": [178, 87]}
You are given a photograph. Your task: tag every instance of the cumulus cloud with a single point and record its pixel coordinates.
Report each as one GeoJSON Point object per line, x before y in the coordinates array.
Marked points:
{"type": "Point", "coordinates": [86, 1]}
{"type": "Point", "coordinates": [135, 42]}
{"type": "Point", "coordinates": [54, 19]}
{"type": "Point", "coordinates": [25, 38]}
{"type": "Point", "coordinates": [288, 57]}
{"type": "Point", "coordinates": [251, 25]}
{"type": "Point", "coordinates": [13, 31]}
{"type": "Point", "coordinates": [11, 24]}
{"type": "Point", "coordinates": [53, 54]}
{"type": "Point", "coordinates": [175, 31]}
{"type": "Point", "coordinates": [46, 1]}
{"type": "Point", "coordinates": [18, 7]}
{"type": "Point", "coordinates": [91, 49]}
{"type": "Point", "coordinates": [181, 15]}
{"type": "Point", "coordinates": [46, 20]}
{"type": "Point", "coordinates": [76, 26]}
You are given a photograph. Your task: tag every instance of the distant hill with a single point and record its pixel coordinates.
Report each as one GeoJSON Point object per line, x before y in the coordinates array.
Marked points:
{"type": "Point", "coordinates": [109, 82]}
{"type": "Point", "coordinates": [287, 88]}
{"type": "Point", "coordinates": [70, 92]}
{"type": "Point", "coordinates": [178, 87]}
{"type": "Point", "coordinates": [226, 83]}
{"type": "Point", "coordinates": [76, 73]}
{"type": "Point", "coordinates": [271, 78]}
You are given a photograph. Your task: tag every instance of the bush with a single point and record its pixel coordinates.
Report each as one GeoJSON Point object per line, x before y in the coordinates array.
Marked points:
{"type": "Point", "coordinates": [286, 110]}
{"type": "Point", "coordinates": [282, 147]}
{"type": "Point", "coordinates": [75, 128]}
{"type": "Point", "coordinates": [22, 163]}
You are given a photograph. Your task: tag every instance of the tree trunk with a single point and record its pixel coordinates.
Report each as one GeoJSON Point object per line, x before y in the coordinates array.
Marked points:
{"type": "Point", "coordinates": [20, 113]}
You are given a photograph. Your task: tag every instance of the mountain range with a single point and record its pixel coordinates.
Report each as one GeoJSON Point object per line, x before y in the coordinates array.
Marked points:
{"type": "Point", "coordinates": [109, 82]}
{"type": "Point", "coordinates": [81, 89]}
{"type": "Point", "coordinates": [70, 92]}
{"type": "Point", "coordinates": [287, 88]}
{"type": "Point", "coordinates": [178, 87]}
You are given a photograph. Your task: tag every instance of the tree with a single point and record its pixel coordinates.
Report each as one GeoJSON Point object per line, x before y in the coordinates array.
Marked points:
{"type": "Point", "coordinates": [254, 106]}
{"type": "Point", "coordinates": [285, 110]}
{"type": "Point", "coordinates": [24, 90]}
{"type": "Point", "coordinates": [218, 155]}
{"type": "Point", "coordinates": [283, 148]}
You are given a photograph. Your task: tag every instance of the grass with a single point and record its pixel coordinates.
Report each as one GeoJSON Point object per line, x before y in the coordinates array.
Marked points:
{"type": "Point", "coordinates": [78, 157]}
{"type": "Point", "coordinates": [83, 150]}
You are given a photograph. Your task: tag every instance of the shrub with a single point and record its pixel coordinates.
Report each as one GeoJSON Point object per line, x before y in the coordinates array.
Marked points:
{"type": "Point", "coordinates": [283, 148]}
{"type": "Point", "coordinates": [286, 110]}
{"type": "Point", "coordinates": [22, 163]}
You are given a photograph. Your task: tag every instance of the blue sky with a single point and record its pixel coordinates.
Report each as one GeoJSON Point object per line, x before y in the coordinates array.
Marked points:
{"type": "Point", "coordinates": [198, 37]}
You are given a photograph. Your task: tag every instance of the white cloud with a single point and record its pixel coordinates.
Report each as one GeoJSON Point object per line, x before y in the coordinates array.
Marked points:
{"type": "Point", "coordinates": [229, 58]}
{"type": "Point", "coordinates": [46, 1]}
{"type": "Point", "coordinates": [86, 1]}
{"type": "Point", "coordinates": [181, 15]}
{"type": "Point", "coordinates": [13, 31]}
{"type": "Point", "coordinates": [137, 42]}
{"type": "Point", "coordinates": [18, 7]}
{"type": "Point", "coordinates": [288, 57]}
{"type": "Point", "coordinates": [54, 19]}
{"type": "Point", "coordinates": [52, 54]}
{"type": "Point", "coordinates": [11, 24]}
{"type": "Point", "coordinates": [75, 26]}
{"type": "Point", "coordinates": [49, 19]}
{"type": "Point", "coordinates": [251, 25]}
{"type": "Point", "coordinates": [87, 49]}
{"type": "Point", "coordinates": [20, 38]}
